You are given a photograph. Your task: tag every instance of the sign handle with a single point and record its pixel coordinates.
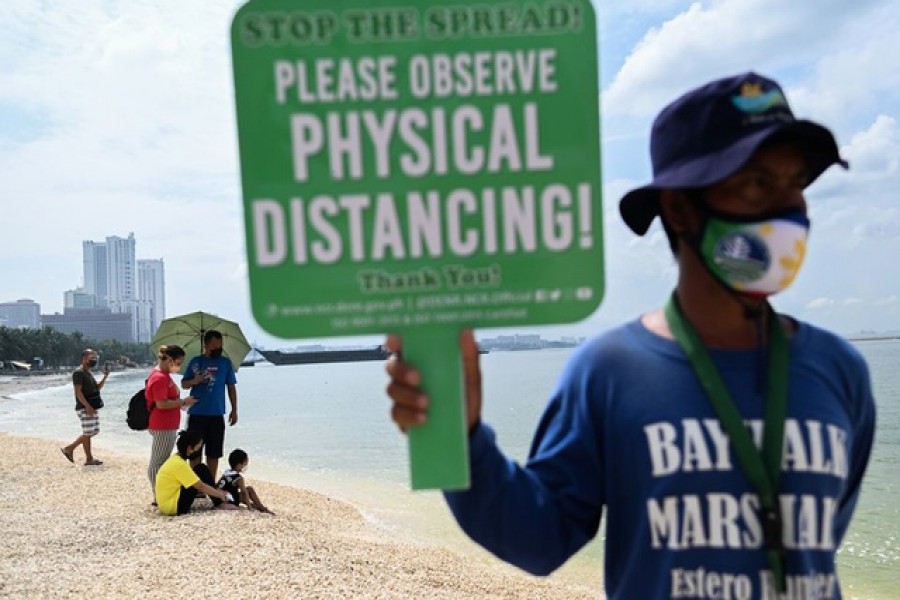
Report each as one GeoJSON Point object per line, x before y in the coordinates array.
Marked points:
{"type": "Point", "coordinates": [438, 450]}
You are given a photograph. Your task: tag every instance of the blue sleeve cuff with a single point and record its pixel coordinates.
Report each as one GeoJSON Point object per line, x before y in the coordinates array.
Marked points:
{"type": "Point", "coordinates": [482, 440]}
{"type": "Point", "coordinates": [482, 450]}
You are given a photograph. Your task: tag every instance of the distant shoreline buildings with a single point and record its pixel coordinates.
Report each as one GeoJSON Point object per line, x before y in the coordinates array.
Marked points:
{"type": "Point", "coordinates": [121, 298]}
{"type": "Point", "coordinates": [526, 342]}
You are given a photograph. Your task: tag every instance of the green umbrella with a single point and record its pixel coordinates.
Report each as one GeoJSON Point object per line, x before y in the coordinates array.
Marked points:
{"type": "Point", "coordinates": [188, 330]}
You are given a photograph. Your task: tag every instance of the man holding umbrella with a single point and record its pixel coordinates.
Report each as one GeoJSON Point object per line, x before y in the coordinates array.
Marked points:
{"type": "Point", "coordinates": [207, 377]}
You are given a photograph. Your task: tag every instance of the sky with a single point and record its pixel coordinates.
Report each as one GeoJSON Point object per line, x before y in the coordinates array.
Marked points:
{"type": "Point", "coordinates": [117, 116]}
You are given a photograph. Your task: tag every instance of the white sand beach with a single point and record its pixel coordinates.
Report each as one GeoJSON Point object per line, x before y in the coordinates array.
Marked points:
{"type": "Point", "coordinates": [76, 531]}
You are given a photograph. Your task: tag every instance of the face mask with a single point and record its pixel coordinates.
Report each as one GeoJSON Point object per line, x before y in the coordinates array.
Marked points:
{"type": "Point", "coordinates": [216, 353]}
{"type": "Point", "coordinates": [92, 363]}
{"type": "Point", "coordinates": [195, 455]}
{"type": "Point", "coordinates": [757, 257]}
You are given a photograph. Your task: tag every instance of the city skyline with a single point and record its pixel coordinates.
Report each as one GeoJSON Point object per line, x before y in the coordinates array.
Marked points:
{"type": "Point", "coordinates": [114, 282]}
{"type": "Point", "coordinates": [119, 281]}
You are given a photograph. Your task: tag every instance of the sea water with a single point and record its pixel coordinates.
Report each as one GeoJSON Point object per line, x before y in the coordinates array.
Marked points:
{"type": "Point", "coordinates": [326, 427]}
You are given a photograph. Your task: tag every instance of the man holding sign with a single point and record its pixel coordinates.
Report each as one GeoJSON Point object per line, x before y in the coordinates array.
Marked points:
{"type": "Point", "coordinates": [726, 443]}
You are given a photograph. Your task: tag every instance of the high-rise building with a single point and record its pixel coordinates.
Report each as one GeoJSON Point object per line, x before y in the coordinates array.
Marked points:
{"type": "Point", "coordinates": [139, 310]}
{"type": "Point", "coordinates": [116, 280]}
{"type": "Point", "coordinates": [152, 291]}
{"type": "Point", "coordinates": [96, 278]}
{"type": "Point", "coordinates": [121, 269]}
{"type": "Point", "coordinates": [79, 298]}
{"type": "Point", "coordinates": [21, 314]}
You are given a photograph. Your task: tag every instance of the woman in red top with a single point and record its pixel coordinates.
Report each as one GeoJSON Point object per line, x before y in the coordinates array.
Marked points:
{"type": "Point", "coordinates": [164, 404]}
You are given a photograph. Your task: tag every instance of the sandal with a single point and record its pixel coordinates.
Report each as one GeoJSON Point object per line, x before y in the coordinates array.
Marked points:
{"type": "Point", "coordinates": [93, 463]}
{"type": "Point", "coordinates": [67, 455]}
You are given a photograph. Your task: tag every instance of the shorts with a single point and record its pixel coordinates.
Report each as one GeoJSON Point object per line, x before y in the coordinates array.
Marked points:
{"type": "Point", "coordinates": [212, 429]}
{"type": "Point", "coordinates": [90, 426]}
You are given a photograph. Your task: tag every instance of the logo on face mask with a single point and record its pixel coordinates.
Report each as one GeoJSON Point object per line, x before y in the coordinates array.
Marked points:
{"type": "Point", "coordinates": [756, 258]}
{"type": "Point", "coordinates": [741, 256]}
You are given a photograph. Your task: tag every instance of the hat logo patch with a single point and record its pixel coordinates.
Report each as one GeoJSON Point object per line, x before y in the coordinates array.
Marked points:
{"type": "Point", "coordinates": [753, 100]}
{"type": "Point", "coordinates": [742, 256]}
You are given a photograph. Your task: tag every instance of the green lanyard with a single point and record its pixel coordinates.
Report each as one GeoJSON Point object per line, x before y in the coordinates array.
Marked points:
{"type": "Point", "coordinates": [762, 470]}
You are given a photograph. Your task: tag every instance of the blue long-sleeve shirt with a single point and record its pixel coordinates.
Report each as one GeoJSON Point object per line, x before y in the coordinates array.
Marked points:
{"type": "Point", "coordinates": [629, 430]}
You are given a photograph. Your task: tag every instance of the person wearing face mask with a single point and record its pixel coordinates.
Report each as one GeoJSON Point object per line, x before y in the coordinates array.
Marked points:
{"type": "Point", "coordinates": [178, 483]}
{"type": "Point", "coordinates": [726, 443]}
{"type": "Point", "coordinates": [208, 376]}
{"type": "Point", "coordinates": [165, 406]}
{"type": "Point", "coordinates": [87, 406]}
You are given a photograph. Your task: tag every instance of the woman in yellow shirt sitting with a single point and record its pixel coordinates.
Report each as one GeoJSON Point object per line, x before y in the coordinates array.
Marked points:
{"type": "Point", "coordinates": [177, 483]}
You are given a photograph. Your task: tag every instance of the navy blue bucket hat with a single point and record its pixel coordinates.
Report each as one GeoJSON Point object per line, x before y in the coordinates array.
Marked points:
{"type": "Point", "coordinates": [709, 133]}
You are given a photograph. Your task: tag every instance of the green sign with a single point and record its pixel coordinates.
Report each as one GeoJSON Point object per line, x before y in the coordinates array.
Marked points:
{"type": "Point", "coordinates": [419, 169]}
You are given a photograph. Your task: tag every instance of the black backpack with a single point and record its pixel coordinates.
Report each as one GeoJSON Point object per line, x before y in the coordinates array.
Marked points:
{"type": "Point", "coordinates": [138, 415]}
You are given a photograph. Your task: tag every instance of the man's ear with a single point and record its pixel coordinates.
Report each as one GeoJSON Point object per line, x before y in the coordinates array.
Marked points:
{"type": "Point", "coordinates": [677, 210]}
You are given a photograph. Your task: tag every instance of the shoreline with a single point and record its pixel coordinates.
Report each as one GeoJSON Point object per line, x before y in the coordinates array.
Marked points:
{"type": "Point", "coordinates": [17, 384]}
{"type": "Point", "coordinates": [94, 530]}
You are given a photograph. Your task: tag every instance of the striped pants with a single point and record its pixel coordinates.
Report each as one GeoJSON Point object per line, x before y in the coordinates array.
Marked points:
{"type": "Point", "coordinates": [163, 443]}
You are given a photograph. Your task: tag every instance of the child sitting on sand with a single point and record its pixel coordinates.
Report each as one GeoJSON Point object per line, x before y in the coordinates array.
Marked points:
{"type": "Point", "coordinates": [232, 482]}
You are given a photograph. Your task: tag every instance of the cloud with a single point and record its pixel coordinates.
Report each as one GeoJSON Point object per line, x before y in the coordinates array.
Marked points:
{"type": "Point", "coordinates": [858, 208]}
{"type": "Point", "coordinates": [818, 303]}
{"type": "Point", "coordinates": [840, 65]}
{"type": "Point", "coordinates": [892, 300]}
{"type": "Point", "coordinates": [875, 152]}
{"type": "Point", "coordinates": [131, 97]}
{"type": "Point", "coordinates": [723, 37]}
{"type": "Point", "coordinates": [857, 72]}
{"type": "Point", "coordinates": [135, 133]}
